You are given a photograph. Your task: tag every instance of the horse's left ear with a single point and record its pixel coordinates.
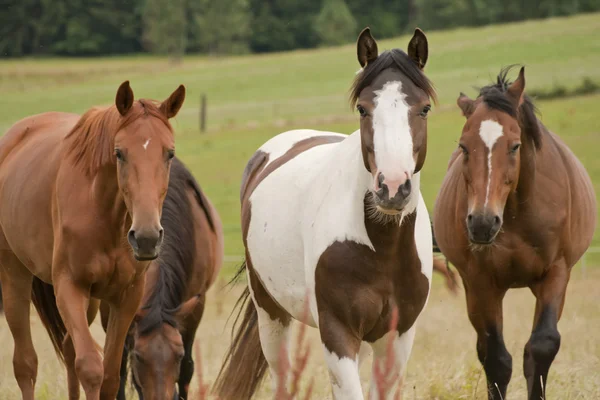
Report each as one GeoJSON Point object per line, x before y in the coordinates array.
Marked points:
{"type": "Point", "coordinates": [366, 47]}
{"type": "Point", "coordinates": [418, 49]}
{"type": "Point", "coordinates": [516, 90]}
{"type": "Point", "coordinates": [124, 98]}
{"type": "Point", "coordinates": [170, 107]}
{"type": "Point", "coordinates": [188, 307]}
{"type": "Point", "coordinates": [466, 105]}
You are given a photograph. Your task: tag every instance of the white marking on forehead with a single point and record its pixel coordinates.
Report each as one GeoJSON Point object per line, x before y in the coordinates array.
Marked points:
{"type": "Point", "coordinates": [146, 144]}
{"type": "Point", "coordinates": [489, 131]}
{"type": "Point", "coordinates": [392, 135]}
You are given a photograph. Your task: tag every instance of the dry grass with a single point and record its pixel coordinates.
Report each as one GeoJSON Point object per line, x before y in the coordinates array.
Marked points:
{"type": "Point", "coordinates": [443, 364]}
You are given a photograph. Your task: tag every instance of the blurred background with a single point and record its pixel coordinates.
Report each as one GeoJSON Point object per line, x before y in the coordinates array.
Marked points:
{"type": "Point", "coordinates": [255, 68]}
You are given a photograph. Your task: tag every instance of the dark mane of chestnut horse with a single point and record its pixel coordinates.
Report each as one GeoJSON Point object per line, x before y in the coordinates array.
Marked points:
{"type": "Point", "coordinates": [395, 59]}
{"type": "Point", "coordinates": [176, 258]}
{"type": "Point", "coordinates": [494, 96]}
{"type": "Point", "coordinates": [91, 141]}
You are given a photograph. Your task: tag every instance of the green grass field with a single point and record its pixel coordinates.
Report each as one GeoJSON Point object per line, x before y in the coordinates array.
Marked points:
{"type": "Point", "coordinates": [252, 98]}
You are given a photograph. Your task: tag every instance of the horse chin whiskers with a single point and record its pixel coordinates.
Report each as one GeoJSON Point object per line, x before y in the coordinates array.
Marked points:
{"type": "Point", "coordinates": [379, 216]}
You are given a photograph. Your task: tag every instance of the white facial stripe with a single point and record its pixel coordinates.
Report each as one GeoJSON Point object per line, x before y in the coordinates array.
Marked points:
{"type": "Point", "coordinates": [146, 144]}
{"type": "Point", "coordinates": [392, 136]}
{"type": "Point", "coordinates": [489, 132]}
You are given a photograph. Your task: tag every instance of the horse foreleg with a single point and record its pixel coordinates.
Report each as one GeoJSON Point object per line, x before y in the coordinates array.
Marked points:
{"type": "Point", "coordinates": [341, 348]}
{"type": "Point", "coordinates": [16, 282]}
{"type": "Point", "coordinates": [484, 305]}
{"type": "Point", "coordinates": [544, 342]}
{"type": "Point", "coordinates": [119, 320]}
{"type": "Point", "coordinates": [186, 371]}
{"type": "Point", "coordinates": [401, 348]}
{"type": "Point", "coordinates": [72, 302]}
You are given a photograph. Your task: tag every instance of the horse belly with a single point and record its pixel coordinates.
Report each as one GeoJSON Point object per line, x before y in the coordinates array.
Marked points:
{"type": "Point", "coordinates": [26, 178]}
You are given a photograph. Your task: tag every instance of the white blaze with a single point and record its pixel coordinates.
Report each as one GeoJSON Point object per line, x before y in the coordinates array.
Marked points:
{"type": "Point", "coordinates": [489, 131]}
{"type": "Point", "coordinates": [392, 136]}
{"type": "Point", "coordinates": [146, 144]}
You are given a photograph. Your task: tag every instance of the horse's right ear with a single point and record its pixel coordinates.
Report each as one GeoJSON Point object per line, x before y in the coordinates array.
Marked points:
{"type": "Point", "coordinates": [366, 47]}
{"type": "Point", "coordinates": [124, 98]}
{"type": "Point", "coordinates": [466, 105]}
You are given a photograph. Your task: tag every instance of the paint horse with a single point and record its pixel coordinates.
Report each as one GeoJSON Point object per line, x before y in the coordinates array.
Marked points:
{"type": "Point", "coordinates": [80, 205]}
{"type": "Point", "coordinates": [516, 209]}
{"type": "Point", "coordinates": [162, 335]}
{"type": "Point", "coordinates": [340, 218]}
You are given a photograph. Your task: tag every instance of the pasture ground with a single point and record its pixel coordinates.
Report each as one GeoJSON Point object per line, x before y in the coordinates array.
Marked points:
{"type": "Point", "coordinates": [252, 98]}
{"type": "Point", "coordinates": [443, 365]}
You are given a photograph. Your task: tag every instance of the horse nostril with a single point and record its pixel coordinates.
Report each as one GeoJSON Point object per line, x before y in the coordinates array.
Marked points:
{"type": "Point", "coordinates": [380, 179]}
{"type": "Point", "coordinates": [470, 218]}
{"type": "Point", "coordinates": [405, 188]}
{"type": "Point", "coordinates": [131, 238]}
{"type": "Point", "coordinates": [497, 220]}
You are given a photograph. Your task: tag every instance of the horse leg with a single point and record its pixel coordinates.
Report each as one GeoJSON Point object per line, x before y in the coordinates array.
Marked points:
{"type": "Point", "coordinates": [186, 371]}
{"type": "Point", "coordinates": [16, 282]}
{"type": "Point", "coordinates": [544, 342]}
{"type": "Point", "coordinates": [119, 320]}
{"type": "Point", "coordinates": [484, 305]}
{"type": "Point", "coordinates": [72, 302]}
{"type": "Point", "coordinates": [341, 348]}
{"type": "Point", "coordinates": [402, 347]}
{"type": "Point", "coordinates": [69, 353]}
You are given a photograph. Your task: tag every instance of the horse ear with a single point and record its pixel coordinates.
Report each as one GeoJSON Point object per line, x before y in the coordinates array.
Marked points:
{"type": "Point", "coordinates": [188, 307]}
{"type": "Point", "coordinates": [124, 98]}
{"type": "Point", "coordinates": [418, 49]}
{"type": "Point", "coordinates": [366, 47]}
{"type": "Point", "coordinates": [170, 107]}
{"type": "Point", "coordinates": [465, 104]}
{"type": "Point", "coordinates": [517, 88]}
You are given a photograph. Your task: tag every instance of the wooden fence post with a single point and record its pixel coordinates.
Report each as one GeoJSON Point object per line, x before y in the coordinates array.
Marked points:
{"type": "Point", "coordinates": [203, 113]}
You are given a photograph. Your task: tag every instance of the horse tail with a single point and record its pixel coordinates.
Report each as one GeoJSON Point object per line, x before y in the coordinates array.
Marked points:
{"type": "Point", "coordinates": [244, 365]}
{"type": "Point", "coordinates": [42, 295]}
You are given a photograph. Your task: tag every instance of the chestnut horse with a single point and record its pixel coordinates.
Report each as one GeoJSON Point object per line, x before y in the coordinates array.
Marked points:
{"type": "Point", "coordinates": [74, 190]}
{"type": "Point", "coordinates": [340, 218]}
{"type": "Point", "coordinates": [161, 338]}
{"type": "Point", "coordinates": [516, 209]}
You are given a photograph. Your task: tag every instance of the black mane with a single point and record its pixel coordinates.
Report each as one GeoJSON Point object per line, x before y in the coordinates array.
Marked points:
{"type": "Point", "coordinates": [495, 97]}
{"type": "Point", "coordinates": [396, 59]}
{"type": "Point", "coordinates": [177, 253]}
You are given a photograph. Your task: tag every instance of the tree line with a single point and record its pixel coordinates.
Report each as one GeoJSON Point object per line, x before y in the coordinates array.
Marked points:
{"type": "Point", "coordinates": [176, 27]}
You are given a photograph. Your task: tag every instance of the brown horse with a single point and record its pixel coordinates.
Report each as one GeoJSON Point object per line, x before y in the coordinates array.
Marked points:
{"type": "Point", "coordinates": [73, 192]}
{"type": "Point", "coordinates": [516, 209]}
{"type": "Point", "coordinates": [336, 224]}
{"type": "Point", "coordinates": [162, 336]}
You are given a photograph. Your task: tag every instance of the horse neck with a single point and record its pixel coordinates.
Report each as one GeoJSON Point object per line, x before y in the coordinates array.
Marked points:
{"type": "Point", "coordinates": [108, 199]}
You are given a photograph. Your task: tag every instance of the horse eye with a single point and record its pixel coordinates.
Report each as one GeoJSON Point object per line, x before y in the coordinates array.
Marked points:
{"type": "Point", "coordinates": [464, 149]}
{"type": "Point", "coordinates": [425, 111]}
{"type": "Point", "coordinates": [514, 149]}
{"type": "Point", "coordinates": [361, 111]}
{"type": "Point", "coordinates": [119, 155]}
{"type": "Point", "coordinates": [171, 154]}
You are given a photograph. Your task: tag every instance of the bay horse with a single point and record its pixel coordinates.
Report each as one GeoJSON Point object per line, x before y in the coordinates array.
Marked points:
{"type": "Point", "coordinates": [80, 206]}
{"type": "Point", "coordinates": [162, 335]}
{"type": "Point", "coordinates": [516, 209]}
{"type": "Point", "coordinates": [340, 218]}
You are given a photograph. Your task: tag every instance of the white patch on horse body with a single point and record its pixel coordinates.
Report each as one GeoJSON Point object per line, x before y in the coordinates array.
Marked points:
{"type": "Point", "coordinates": [402, 347]}
{"type": "Point", "coordinates": [392, 137]}
{"type": "Point", "coordinates": [424, 239]}
{"type": "Point", "coordinates": [146, 144]}
{"type": "Point", "coordinates": [489, 131]}
{"type": "Point", "coordinates": [344, 376]}
{"type": "Point", "coordinates": [299, 210]}
{"type": "Point", "coordinates": [280, 144]}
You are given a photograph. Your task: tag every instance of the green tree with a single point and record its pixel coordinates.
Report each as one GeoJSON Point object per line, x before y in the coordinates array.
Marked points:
{"type": "Point", "coordinates": [335, 24]}
{"type": "Point", "coordinates": [219, 27]}
{"type": "Point", "coordinates": [165, 27]}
